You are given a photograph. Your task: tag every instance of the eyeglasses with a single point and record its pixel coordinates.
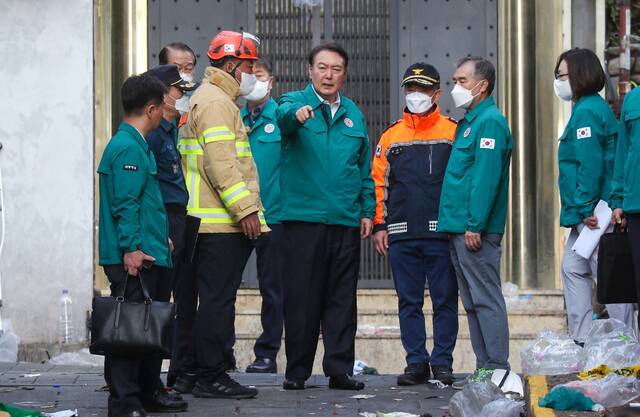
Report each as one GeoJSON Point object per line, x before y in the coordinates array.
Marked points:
{"type": "Point", "coordinates": [558, 75]}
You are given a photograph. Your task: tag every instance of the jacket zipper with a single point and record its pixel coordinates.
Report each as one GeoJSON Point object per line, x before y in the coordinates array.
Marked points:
{"type": "Point", "coordinates": [430, 159]}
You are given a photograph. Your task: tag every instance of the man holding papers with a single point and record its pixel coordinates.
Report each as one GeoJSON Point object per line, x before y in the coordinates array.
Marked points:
{"type": "Point", "coordinates": [585, 157]}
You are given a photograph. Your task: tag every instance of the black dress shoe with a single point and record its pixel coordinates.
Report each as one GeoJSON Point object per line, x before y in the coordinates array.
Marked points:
{"type": "Point", "coordinates": [414, 374]}
{"type": "Point", "coordinates": [184, 383]}
{"type": "Point", "coordinates": [443, 374]}
{"type": "Point", "coordinates": [162, 402]}
{"type": "Point", "coordinates": [292, 384]}
{"type": "Point", "coordinates": [263, 366]}
{"type": "Point", "coordinates": [345, 382]}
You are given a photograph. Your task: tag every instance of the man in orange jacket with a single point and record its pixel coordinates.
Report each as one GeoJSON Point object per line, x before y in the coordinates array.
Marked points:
{"type": "Point", "coordinates": [408, 168]}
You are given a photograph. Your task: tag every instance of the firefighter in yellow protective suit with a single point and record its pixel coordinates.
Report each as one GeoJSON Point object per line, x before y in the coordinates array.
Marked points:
{"type": "Point", "coordinates": [223, 192]}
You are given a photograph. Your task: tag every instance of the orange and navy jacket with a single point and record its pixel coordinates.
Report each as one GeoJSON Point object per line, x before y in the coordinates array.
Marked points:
{"type": "Point", "coordinates": [408, 168]}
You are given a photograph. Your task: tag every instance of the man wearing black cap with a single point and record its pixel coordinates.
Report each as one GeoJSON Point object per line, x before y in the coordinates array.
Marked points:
{"type": "Point", "coordinates": [408, 169]}
{"type": "Point", "coordinates": [163, 143]}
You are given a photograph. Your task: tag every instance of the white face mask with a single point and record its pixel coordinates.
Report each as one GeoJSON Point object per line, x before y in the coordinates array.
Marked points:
{"type": "Point", "coordinates": [417, 102]}
{"type": "Point", "coordinates": [187, 77]}
{"type": "Point", "coordinates": [182, 104]}
{"type": "Point", "coordinates": [563, 89]}
{"type": "Point", "coordinates": [247, 82]}
{"type": "Point", "coordinates": [260, 91]}
{"type": "Point", "coordinates": [462, 97]}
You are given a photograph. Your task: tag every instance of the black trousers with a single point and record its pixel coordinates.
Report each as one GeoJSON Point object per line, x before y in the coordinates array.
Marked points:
{"type": "Point", "coordinates": [131, 379]}
{"type": "Point", "coordinates": [633, 225]}
{"type": "Point", "coordinates": [218, 264]}
{"type": "Point", "coordinates": [269, 263]}
{"type": "Point", "coordinates": [320, 279]}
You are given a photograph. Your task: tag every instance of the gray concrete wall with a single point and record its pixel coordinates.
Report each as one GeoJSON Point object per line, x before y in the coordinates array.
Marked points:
{"type": "Point", "coordinates": [46, 103]}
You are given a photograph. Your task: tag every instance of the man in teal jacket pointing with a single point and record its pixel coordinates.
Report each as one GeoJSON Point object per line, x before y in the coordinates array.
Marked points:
{"type": "Point", "coordinates": [473, 208]}
{"type": "Point", "coordinates": [328, 205]}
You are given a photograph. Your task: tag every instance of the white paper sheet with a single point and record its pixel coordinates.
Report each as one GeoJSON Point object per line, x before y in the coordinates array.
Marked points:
{"type": "Point", "coordinates": [588, 240]}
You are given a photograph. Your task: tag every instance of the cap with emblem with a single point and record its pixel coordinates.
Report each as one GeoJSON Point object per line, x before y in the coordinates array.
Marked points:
{"type": "Point", "coordinates": [170, 76]}
{"type": "Point", "coordinates": [421, 73]}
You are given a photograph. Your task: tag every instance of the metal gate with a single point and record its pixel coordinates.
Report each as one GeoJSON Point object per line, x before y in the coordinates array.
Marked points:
{"type": "Point", "coordinates": [382, 38]}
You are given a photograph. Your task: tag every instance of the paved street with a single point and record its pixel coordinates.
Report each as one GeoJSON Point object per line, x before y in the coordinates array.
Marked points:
{"type": "Point", "coordinates": [52, 388]}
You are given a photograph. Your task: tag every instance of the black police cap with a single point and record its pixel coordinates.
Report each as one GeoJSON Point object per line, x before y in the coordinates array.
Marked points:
{"type": "Point", "coordinates": [170, 76]}
{"type": "Point", "coordinates": [421, 73]}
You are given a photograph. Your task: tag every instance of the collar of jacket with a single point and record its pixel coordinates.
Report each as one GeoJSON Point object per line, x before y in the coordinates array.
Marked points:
{"type": "Point", "coordinates": [224, 80]}
{"type": "Point", "coordinates": [133, 132]}
{"type": "Point", "coordinates": [484, 104]}
{"type": "Point", "coordinates": [268, 108]}
{"type": "Point", "coordinates": [312, 97]}
{"type": "Point", "coordinates": [418, 122]}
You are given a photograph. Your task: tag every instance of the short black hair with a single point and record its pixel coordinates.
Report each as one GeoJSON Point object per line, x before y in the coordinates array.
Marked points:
{"type": "Point", "coordinates": [264, 62]}
{"type": "Point", "coordinates": [138, 91]}
{"type": "Point", "coordinates": [586, 75]}
{"type": "Point", "coordinates": [219, 63]}
{"type": "Point", "coordinates": [163, 56]}
{"type": "Point", "coordinates": [333, 47]}
{"type": "Point", "coordinates": [484, 70]}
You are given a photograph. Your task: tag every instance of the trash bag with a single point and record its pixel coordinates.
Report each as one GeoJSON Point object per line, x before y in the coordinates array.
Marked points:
{"type": "Point", "coordinates": [502, 407]}
{"type": "Point", "coordinates": [473, 397]}
{"type": "Point", "coordinates": [551, 354]}
{"type": "Point", "coordinates": [9, 342]}
{"type": "Point", "coordinates": [562, 398]}
{"type": "Point", "coordinates": [610, 391]}
{"type": "Point", "coordinates": [610, 342]}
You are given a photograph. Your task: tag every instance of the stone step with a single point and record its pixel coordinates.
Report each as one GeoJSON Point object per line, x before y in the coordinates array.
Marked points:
{"type": "Point", "coordinates": [385, 352]}
{"type": "Point", "coordinates": [372, 322]}
{"type": "Point", "coordinates": [386, 299]}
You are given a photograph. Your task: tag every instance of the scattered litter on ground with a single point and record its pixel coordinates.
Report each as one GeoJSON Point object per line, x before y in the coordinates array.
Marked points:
{"type": "Point", "coordinates": [15, 411]}
{"type": "Point", "coordinates": [408, 393]}
{"type": "Point", "coordinates": [338, 406]}
{"type": "Point", "coordinates": [9, 342]}
{"type": "Point", "coordinates": [610, 391]}
{"type": "Point", "coordinates": [564, 399]}
{"type": "Point", "coordinates": [311, 397]}
{"type": "Point", "coordinates": [28, 388]}
{"type": "Point", "coordinates": [362, 396]}
{"type": "Point", "coordinates": [64, 413]}
{"type": "Point", "coordinates": [397, 399]}
{"type": "Point", "coordinates": [8, 389]}
{"type": "Point", "coordinates": [437, 383]}
{"type": "Point", "coordinates": [362, 368]}
{"type": "Point", "coordinates": [609, 342]}
{"type": "Point", "coordinates": [551, 354]}
{"type": "Point", "coordinates": [35, 404]}
{"type": "Point", "coordinates": [478, 398]}
{"type": "Point", "coordinates": [79, 358]}
{"type": "Point", "coordinates": [29, 375]}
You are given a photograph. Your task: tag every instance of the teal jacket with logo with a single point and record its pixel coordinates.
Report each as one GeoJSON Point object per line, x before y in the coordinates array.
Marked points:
{"type": "Point", "coordinates": [476, 184]}
{"type": "Point", "coordinates": [326, 167]}
{"type": "Point", "coordinates": [265, 143]}
{"type": "Point", "coordinates": [626, 180]}
{"type": "Point", "coordinates": [585, 159]}
{"type": "Point", "coordinates": [132, 214]}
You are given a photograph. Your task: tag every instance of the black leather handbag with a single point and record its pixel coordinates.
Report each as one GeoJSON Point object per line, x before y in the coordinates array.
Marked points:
{"type": "Point", "coordinates": [616, 277]}
{"type": "Point", "coordinates": [132, 328]}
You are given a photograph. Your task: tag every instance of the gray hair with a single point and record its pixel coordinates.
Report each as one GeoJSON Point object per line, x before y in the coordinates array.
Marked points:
{"type": "Point", "coordinates": [484, 70]}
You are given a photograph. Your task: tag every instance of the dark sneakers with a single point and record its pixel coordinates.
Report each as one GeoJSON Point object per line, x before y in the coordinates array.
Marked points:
{"type": "Point", "coordinates": [184, 383]}
{"type": "Point", "coordinates": [414, 374]}
{"type": "Point", "coordinates": [345, 382]}
{"type": "Point", "coordinates": [263, 366]}
{"type": "Point", "coordinates": [223, 387]}
{"type": "Point", "coordinates": [292, 384]}
{"type": "Point", "coordinates": [443, 374]}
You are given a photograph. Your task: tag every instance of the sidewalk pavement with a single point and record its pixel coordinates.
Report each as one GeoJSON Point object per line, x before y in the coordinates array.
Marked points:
{"type": "Point", "coordinates": [52, 388]}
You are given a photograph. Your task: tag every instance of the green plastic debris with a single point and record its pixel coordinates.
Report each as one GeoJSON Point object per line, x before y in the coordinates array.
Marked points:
{"type": "Point", "coordinates": [19, 412]}
{"type": "Point", "coordinates": [565, 399]}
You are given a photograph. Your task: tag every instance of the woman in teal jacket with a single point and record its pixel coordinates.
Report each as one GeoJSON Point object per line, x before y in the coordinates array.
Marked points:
{"type": "Point", "coordinates": [586, 153]}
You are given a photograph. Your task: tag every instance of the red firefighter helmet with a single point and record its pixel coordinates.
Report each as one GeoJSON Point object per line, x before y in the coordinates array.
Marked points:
{"type": "Point", "coordinates": [234, 44]}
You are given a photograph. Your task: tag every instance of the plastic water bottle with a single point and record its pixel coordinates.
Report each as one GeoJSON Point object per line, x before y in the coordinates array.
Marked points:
{"type": "Point", "coordinates": [65, 322]}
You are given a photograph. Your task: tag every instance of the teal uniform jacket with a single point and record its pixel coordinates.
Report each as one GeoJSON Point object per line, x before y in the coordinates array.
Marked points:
{"type": "Point", "coordinates": [476, 184]}
{"type": "Point", "coordinates": [585, 159]}
{"type": "Point", "coordinates": [265, 142]}
{"type": "Point", "coordinates": [626, 180]}
{"type": "Point", "coordinates": [326, 168]}
{"type": "Point", "coordinates": [132, 214]}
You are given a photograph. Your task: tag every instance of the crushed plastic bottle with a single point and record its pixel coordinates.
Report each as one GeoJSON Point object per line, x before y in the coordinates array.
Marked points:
{"type": "Point", "coordinates": [66, 331]}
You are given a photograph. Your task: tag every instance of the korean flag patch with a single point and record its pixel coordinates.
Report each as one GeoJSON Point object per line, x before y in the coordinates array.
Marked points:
{"type": "Point", "coordinates": [583, 132]}
{"type": "Point", "coordinates": [229, 47]}
{"type": "Point", "coordinates": [378, 150]}
{"type": "Point", "coordinates": [487, 143]}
